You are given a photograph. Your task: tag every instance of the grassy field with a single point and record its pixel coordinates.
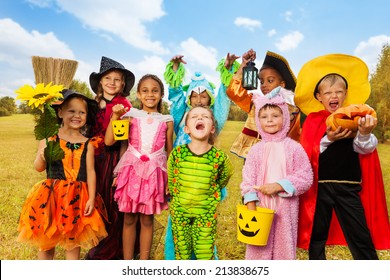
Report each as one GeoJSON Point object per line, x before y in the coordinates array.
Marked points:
{"type": "Point", "coordinates": [17, 153]}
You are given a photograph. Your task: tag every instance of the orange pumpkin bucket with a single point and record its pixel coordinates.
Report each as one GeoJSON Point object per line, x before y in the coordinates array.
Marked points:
{"type": "Point", "coordinates": [348, 117]}
{"type": "Point", "coordinates": [254, 226]}
{"type": "Point", "coordinates": [120, 129]}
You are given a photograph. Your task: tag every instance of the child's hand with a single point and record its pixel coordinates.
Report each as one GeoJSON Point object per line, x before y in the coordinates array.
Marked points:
{"type": "Point", "coordinates": [367, 124]}
{"type": "Point", "coordinates": [230, 58]}
{"type": "Point", "coordinates": [269, 189]}
{"type": "Point", "coordinates": [338, 134]}
{"type": "Point", "coordinates": [251, 205]}
{"type": "Point", "coordinates": [178, 59]}
{"type": "Point", "coordinates": [248, 56]}
{"type": "Point", "coordinates": [89, 207]}
{"type": "Point", "coordinates": [114, 182]}
{"type": "Point", "coordinates": [42, 154]}
{"type": "Point", "coordinates": [118, 110]}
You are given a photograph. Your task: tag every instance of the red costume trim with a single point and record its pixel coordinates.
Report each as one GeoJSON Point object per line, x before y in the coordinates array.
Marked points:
{"type": "Point", "coordinates": [372, 194]}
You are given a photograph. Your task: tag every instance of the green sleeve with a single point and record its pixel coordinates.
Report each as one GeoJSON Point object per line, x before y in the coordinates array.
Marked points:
{"type": "Point", "coordinates": [174, 79]}
{"type": "Point", "coordinates": [225, 74]}
{"type": "Point", "coordinates": [226, 172]}
{"type": "Point", "coordinates": [170, 168]}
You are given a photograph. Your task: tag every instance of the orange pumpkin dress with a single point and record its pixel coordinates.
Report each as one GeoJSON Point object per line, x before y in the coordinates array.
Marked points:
{"type": "Point", "coordinates": [53, 213]}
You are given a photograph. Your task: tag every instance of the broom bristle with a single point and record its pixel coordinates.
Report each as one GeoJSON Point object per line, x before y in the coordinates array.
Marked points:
{"type": "Point", "coordinates": [59, 71]}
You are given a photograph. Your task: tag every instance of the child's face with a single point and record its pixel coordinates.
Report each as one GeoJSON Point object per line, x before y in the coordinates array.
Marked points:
{"type": "Point", "coordinates": [150, 95]}
{"type": "Point", "coordinates": [202, 99]}
{"type": "Point", "coordinates": [271, 119]}
{"type": "Point", "coordinates": [74, 113]}
{"type": "Point", "coordinates": [269, 80]}
{"type": "Point", "coordinates": [112, 82]}
{"type": "Point", "coordinates": [200, 124]}
{"type": "Point", "coordinates": [331, 96]}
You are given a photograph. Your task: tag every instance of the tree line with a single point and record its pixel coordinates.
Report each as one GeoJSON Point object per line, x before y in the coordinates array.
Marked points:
{"type": "Point", "coordinates": [379, 98]}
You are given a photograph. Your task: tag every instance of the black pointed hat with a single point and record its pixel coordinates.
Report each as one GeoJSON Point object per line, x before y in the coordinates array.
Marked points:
{"type": "Point", "coordinates": [107, 64]}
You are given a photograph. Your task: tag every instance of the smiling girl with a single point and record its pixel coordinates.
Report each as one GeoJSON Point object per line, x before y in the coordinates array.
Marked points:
{"type": "Point", "coordinates": [141, 172]}
{"type": "Point", "coordinates": [61, 209]}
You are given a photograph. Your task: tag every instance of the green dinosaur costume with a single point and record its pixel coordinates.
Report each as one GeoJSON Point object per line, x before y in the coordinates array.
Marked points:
{"type": "Point", "coordinates": [195, 183]}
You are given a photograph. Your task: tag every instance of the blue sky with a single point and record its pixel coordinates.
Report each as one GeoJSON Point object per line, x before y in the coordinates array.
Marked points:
{"type": "Point", "coordinates": [144, 35]}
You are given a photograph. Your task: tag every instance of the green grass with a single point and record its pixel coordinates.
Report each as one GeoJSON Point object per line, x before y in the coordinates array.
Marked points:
{"type": "Point", "coordinates": [17, 153]}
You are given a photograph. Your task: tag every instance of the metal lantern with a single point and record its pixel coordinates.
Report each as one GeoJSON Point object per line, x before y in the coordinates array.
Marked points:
{"type": "Point", "coordinates": [249, 76]}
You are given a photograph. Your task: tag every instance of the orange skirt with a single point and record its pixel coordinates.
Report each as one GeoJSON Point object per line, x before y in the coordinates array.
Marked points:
{"type": "Point", "coordinates": [53, 214]}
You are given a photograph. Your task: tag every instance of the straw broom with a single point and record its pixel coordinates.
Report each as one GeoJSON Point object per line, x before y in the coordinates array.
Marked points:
{"type": "Point", "coordinates": [58, 71]}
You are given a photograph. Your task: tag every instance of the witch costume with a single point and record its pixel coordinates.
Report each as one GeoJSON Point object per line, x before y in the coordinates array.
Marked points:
{"type": "Point", "coordinates": [106, 158]}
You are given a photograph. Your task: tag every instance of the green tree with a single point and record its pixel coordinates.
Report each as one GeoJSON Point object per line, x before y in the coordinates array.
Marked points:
{"type": "Point", "coordinates": [82, 87]}
{"type": "Point", "coordinates": [380, 94]}
{"type": "Point", "coordinates": [7, 106]}
{"type": "Point", "coordinates": [24, 109]}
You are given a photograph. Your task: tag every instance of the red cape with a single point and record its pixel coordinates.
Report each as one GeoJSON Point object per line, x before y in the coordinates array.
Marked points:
{"type": "Point", "coordinates": [372, 194]}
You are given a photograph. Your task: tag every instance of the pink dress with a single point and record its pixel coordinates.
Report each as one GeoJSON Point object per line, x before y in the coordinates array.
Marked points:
{"type": "Point", "coordinates": [142, 170]}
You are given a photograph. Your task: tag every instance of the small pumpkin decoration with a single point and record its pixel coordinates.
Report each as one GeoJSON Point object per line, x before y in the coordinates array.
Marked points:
{"type": "Point", "coordinates": [120, 129]}
{"type": "Point", "coordinates": [253, 226]}
{"type": "Point", "coordinates": [348, 117]}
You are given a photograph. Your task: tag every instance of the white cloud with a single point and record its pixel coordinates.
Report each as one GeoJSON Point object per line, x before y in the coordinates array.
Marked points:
{"type": "Point", "coordinates": [195, 53]}
{"type": "Point", "coordinates": [370, 50]}
{"type": "Point", "coordinates": [247, 23]}
{"type": "Point", "coordinates": [17, 46]}
{"type": "Point", "coordinates": [40, 3]}
{"type": "Point", "coordinates": [124, 18]}
{"type": "Point", "coordinates": [290, 41]}
{"type": "Point", "coordinates": [271, 33]}
{"type": "Point", "coordinates": [17, 43]}
{"type": "Point", "coordinates": [288, 16]}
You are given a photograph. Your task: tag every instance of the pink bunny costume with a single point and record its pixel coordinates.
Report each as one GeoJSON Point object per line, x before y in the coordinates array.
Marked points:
{"type": "Point", "coordinates": [276, 159]}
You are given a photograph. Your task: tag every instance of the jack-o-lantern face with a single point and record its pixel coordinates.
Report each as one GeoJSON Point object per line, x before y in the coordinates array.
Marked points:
{"type": "Point", "coordinates": [248, 226]}
{"type": "Point", "coordinates": [120, 129]}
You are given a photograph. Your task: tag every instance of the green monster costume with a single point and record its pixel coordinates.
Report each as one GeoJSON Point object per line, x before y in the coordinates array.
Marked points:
{"type": "Point", "coordinates": [195, 183]}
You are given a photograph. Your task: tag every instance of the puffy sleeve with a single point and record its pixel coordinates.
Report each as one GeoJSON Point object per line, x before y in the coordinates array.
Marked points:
{"type": "Point", "coordinates": [95, 141]}
{"type": "Point", "coordinates": [239, 95]}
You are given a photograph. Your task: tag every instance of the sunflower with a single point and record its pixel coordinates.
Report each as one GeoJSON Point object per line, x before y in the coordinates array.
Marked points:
{"type": "Point", "coordinates": [40, 95]}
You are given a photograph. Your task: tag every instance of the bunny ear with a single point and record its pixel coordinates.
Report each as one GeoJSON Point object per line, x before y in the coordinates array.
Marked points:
{"type": "Point", "coordinates": [259, 100]}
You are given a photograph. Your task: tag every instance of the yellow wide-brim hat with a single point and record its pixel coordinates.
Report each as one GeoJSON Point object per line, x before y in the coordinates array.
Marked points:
{"type": "Point", "coordinates": [351, 68]}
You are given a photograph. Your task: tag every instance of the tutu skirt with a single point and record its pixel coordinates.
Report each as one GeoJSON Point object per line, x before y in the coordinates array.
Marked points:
{"type": "Point", "coordinates": [53, 214]}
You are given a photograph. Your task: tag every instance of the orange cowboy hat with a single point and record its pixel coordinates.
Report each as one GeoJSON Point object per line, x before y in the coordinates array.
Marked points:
{"type": "Point", "coordinates": [351, 68]}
